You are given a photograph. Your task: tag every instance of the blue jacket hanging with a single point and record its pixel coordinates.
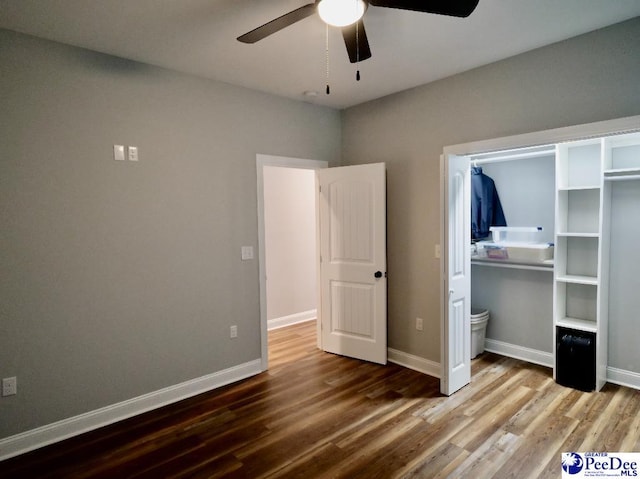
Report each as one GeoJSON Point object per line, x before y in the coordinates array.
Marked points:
{"type": "Point", "coordinates": [486, 210]}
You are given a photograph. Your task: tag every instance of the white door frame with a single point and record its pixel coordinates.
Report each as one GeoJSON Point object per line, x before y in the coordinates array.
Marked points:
{"type": "Point", "coordinates": [261, 162]}
{"type": "Point", "coordinates": [545, 137]}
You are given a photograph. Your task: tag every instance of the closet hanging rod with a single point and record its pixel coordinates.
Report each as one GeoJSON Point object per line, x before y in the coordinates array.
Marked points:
{"type": "Point", "coordinates": [622, 178]}
{"type": "Point", "coordinates": [515, 156]}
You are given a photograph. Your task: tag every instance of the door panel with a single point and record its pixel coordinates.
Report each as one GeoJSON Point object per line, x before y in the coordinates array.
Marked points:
{"type": "Point", "coordinates": [456, 330]}
{"type": "Point", "coordinates": [353, 299]}
{"type": "Point", "coordinates": [352, 308]}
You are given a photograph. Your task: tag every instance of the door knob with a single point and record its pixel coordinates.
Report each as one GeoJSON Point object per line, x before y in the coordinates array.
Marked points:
{"type": "Point", "coordinates": [378, 274]}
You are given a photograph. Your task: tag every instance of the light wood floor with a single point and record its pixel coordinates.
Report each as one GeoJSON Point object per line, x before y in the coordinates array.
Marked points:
{"type": "Point", "coordinates": [318, 415]}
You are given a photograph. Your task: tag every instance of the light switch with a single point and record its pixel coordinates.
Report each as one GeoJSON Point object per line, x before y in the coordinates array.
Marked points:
{"type": "Point", "coordinates": [118, 152]}
{"type": "Point", "coordinates": [133, 153]}
{"type": "Point", "coordinates": [247, 252]}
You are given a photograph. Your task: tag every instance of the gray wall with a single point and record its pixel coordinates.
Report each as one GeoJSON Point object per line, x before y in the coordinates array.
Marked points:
{"type": "Point", "coordinates": [122, 278]}
{"type": "Point", "coordinates": [588, 78]}
{"type": "Point", "coordinates": [520, 305]}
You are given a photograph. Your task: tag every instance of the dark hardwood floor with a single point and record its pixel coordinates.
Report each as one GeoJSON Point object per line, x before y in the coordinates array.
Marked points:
{"type": "Point", "coordinates": [318, 415]}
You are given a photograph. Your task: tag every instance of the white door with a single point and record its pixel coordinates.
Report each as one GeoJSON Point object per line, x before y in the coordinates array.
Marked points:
{"type": "Point", "coordinates": [456, 330]}
{"type": "Point", "coordinates": [353, 262]}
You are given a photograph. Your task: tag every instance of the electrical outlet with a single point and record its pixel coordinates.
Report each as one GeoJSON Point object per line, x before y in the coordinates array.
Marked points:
{"type": "Point", "coordinates": [10, 386]}
{"type": "Point", "coordinates": [233, 331]}
{"type": "Point", "coordinates": [419, 324]}
{"type": "Point", "coordinates": [436, 251]}
{"type": "Point", "coordinates": [246, 253]}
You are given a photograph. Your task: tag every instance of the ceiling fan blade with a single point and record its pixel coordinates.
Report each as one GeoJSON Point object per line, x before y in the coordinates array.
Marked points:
{"type": "Point", "coordinates": [355, 39]}
{"type": "Point", "coordinates": [454, 8]}
{"type": "Point", "coordinates": [278, 24]}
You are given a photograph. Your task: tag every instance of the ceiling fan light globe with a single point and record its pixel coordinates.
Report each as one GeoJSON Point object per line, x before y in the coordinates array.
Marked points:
{"type": "Point", "coordinates": [341, 13]}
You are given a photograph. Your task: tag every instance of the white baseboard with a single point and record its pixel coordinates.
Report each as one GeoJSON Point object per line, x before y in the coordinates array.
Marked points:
{"type": "Point", "coordinates": [432, 368]}
{"type": "Point", "coordinates": [57, 431]}
{"type": "Point", "coordinates": [519, 352]}
{"type": "Point", "coordinates": [296, 318]}
{"type": "Point", "coordinates": [614, 375]}
{"type": "Point", "coordinates": [416, 363]}
{"type": "Point", "coordinates": [623, 377]}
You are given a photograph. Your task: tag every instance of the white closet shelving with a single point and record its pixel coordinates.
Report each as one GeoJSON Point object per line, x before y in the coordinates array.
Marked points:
{"type": "Point", "coordinates": [584, 172]}
{"type": "Point", "coordinates": [578, 239]}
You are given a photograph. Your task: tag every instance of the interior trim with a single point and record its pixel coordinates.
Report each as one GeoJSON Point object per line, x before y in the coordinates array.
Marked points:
{"type": "Point", "coordinates": [286, 162]}
{"type": "Point", "coordinates": [416, 363]}
{"type": "Point", "coordinates": [519, 352]}
{"type": "Point", "coordinates": [623, 377]}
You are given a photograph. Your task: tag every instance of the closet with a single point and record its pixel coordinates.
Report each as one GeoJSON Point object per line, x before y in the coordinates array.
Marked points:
{"type": "Point", "coordinates": [579, 313]}
{"type": "Point", "coordinates": [519, 293]}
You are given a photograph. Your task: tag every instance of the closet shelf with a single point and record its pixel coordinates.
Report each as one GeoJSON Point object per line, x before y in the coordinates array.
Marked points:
{"type": "Point", "coordinates": [502, 263]}
{"type": "Point", "coordinates": [578, 235]}
{"type": "Point", "coordinates": [576, 188]}
{"type": "Point", "coordinates": [577, 279]}
{"type": "Point", "coordinates": [577, 323]}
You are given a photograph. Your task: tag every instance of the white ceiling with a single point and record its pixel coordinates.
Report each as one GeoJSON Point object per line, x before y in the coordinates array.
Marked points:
{"type": "Point", "coordinates": [409, 48]}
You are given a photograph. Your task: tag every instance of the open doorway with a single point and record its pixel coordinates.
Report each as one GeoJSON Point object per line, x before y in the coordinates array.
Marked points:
{"type": "Point", "coordinates": [287, 242]}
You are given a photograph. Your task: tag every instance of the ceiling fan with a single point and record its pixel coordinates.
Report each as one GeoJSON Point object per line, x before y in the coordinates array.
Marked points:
{"type": "Point", "coordinates": [347, 14]}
